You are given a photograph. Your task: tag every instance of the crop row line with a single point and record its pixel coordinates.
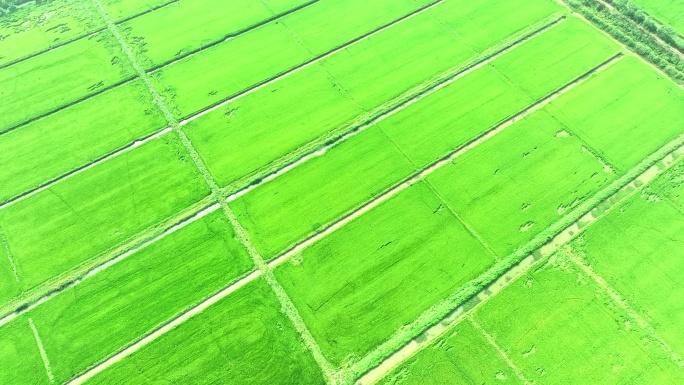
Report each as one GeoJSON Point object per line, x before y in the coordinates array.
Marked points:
{"type": "Point", "coordinates": [621, 301]}
{"type": "Point", "coordinates": [41, 350]}
{"type": "Point", "coordinates": [490, 340]}
{"type": "Point", "coordinates": [288, 307]}
{"type": "Point", "coordinates": [438, 320]}
{"type": "Point", "coordinates": [81, 36]}
{"type": "Point", "coordinates": [287, 254]}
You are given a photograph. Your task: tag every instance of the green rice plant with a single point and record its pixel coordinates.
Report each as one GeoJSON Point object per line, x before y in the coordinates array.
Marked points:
{"type": "Point", "coordinates": [110, 310]}
{"type": "Point", "coordinates": [120, 10]}
{"type": "Point", "coordinates": [48, 82]}
{"type": "Point", "coordinates": [19, 354]}
{"type": "Point", "coordinates": [28, 32]}
{"type": "Point", "coordinates": [8, 284]}
{"type": "Point", "coordinates": [515, 185]}
{"type": "Point", "coordinates": [357, 286]}
{"type": "Point", "coordinates": [558, 326]}
{"type": "Point", "coordinates": [242, 339]}
{"type": "Point", "coordinates": [53, 146]}
{"type": "Point", "coordinates": [625, 113]}
{"type": "Point", "coordinates": [58, 228]}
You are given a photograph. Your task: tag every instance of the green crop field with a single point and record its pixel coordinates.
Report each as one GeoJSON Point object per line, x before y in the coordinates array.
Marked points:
{"type": "Point", "coordinates": [341, 192]}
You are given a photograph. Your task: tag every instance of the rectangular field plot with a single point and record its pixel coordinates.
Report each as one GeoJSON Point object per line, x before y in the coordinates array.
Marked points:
{"type": "Point", "coordinates": [47, 82]}
{"type": "Point", "coordinates": [518, 183]}
{"type": "Point", "coordinates": [360, 284]}
{"type": "Point", "coordinates": [110, 310]}
{"type": "Point", "coordinates": [188, 25]}
{"type": "Point", "coordinates": [196, 82]}
{"type": "Point", "coordinates": [242, 339]}
{"type": "Point", "coordinates": [19, 355]}
{"type": "Point", "coordinates": [558, 327]}
{"type": "Point", "coordinates": [625, 113]}
{"type": "Point", "coordinates": [83, 216]}
{"type": "Point", "coordinates": [280, 213]}
{"type": "Point", "coordinates": [124, 9]}
{"type": "Point", "coordinates": [52, 146]}
{"type": "Point", "coordinates": [462, 357]}
{"type": "Point", "coordinates": [27, 31]}
{"type": "Point", "coordinates": [483, 23]}
{"type": "Point", "coordinates": [249, 133]}
{"type": "Point", "coordinates": [637, 249]}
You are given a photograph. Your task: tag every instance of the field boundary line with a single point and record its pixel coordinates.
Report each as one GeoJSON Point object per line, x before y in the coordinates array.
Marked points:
{"type": "Point", "coordinates": [414, 96]}
{"type": "Point", "coordinates": [232, 35]}
{"type": "Point", "coordinates": [268, 81]}
{"type": "Point", "coordinates": [502, 353]}
{"type": "Point", "coordinates": [51, 288]}
{"type": "Point", "coordinates": [102, 90]}
{"type": "Point", "coordinates": [41, 349]}
{"type": "Point", "coordinates": [48, 184]}
{"type": "Point", "coordinates": [288, 307]}
{"type": "Point", "coordinates": [439, 163]}
{"type": "Point", "coordinates": [442, 317]}
{"type": "Point", "coordinates": [621, 302]}
{"type": "Point", "coordinates": [5, 245]}
{"type": "Point", "coordinates": [149, 338]}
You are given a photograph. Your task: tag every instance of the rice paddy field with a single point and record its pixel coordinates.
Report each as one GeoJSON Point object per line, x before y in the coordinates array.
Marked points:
{"type": "Point", "coordinates": [337, 192]}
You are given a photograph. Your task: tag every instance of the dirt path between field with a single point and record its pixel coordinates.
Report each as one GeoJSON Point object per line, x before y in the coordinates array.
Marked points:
{"type": "Point", "coordinates": [41, 349]}
{"type": "Point", "coordinates": [432, 331]}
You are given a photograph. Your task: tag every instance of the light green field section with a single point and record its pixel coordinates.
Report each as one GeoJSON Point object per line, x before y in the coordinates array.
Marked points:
{"type": "Point", "coordinates": [79, 218]}
{"type": "Point", "coordinates": [52, 80]}
{"type": "Point", "coordinates": [188, 25]}
{"type": "Point", "coordinates": [563, 52]}
{"type": "Point", "coordinates": [263, 53]}
{"type": "Point", "coordinates": [558, 327]}
{"type": "Point", "coordinates": [360, 284]}
{"type": "Point", "coordinates": [124, 9]}
{"type": "Point", "coordinates": [282, 6]}
{"type": "Point", "coordinates": [351, 18]}
{"type": "Point", "coordinates": [461, 111]}
{"type": "Point", "coordinates": [85, 324]}
{"type": "Point", "coordinates": [53, 146]}
{"type": "Point", "coordinates": [257, 129]}
{"type": "Point", "coordinates": [415, 50]}
{"type": "Point", "coordinates": [670, 12]}
{"type": "Point", "coordinates": [513, 186]}
{"type": "Point", "coordinates": [265, 125]}
{"type": "Point", "coordinates": [38, 27]}
{"type": "Point", "coordinates": [462, 357]}
{"type": "Point", "coordinates": [242, 339]}
{"type": "Point", "coordinates": [482, 23]}
{"type": "Point", "coordinates": [309, 197]}
{"type": "Point", "coordinates": [638, 250]}
{"type": "Point", "coordinates": [19, 355]}
{"type": "Point", "coordinates": [625, 113]}
{"type": "Point", "coordinates": [8, 283]}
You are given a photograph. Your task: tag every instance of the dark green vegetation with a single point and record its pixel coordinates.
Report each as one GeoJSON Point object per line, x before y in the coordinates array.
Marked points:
{"type": "Point", "coordinates": [298, 191]}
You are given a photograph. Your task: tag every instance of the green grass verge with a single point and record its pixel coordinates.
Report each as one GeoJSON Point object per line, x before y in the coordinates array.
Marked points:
{"type": "Point", "coordinates": [86, 323]}
{"type": "Point", "coordinates": [463, 356]}
{"type": "Point", "coordinates": [668, 11]}
{"type": "Point", "coordinates": [558, 326]}
{"type": "Point", "coordinates": [52, 80]}
{"type": "Point", "coordinates": [358, 285]}
{"type": "Point", "coordinates": [624, 113]}
{"type": "Point", "coordinates": [518, 183]}
{"type": "Point", "coordinates": [19, 355]}
{"type": "Point", "coordinates": [243, 339]}
{"type": "Point", "coordinates": [53, 146]}
{"type": "Point", "coordinates": [57, 229]}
